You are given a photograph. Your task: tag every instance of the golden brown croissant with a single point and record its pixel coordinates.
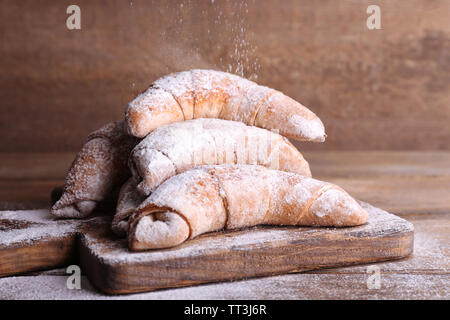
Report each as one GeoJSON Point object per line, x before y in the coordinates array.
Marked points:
{"type": "Point", "coordinates": [177, 147]}
{"type": "Point", "coordinates": [211, 198]}
{"type": "Point", "coordinates": [213, 94]}
{"type": "Point", "coordinates": [98, 169]}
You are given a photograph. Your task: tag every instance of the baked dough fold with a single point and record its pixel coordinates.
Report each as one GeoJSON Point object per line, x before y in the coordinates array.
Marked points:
{"type": "Point", "coordinates": [211, 198]}
{"type": "Point", "coordinates": [97, 172]}
{"type": "Point", "coordinates": [213, 94]}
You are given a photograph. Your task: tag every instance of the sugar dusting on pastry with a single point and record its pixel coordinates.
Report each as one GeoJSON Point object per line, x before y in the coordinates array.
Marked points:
{"type": "Point", "coordinates": [214, 94]}
{"type": "Point", "coordinates": [179, 84]}
{"type": "Point", "coordinates": [308, 127]}
{"type": "Point", "coordinates": [98, 168]}
{"type": "Point", "coordinates": [336, 200]}
{"type": "Point", "coordinates": [211, 198]}
{"type": "Point", "coordinates": [198, 142]}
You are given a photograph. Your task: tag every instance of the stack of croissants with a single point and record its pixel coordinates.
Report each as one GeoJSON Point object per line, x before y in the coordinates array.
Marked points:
{"type": "Point", "coordinates": [202, 151]}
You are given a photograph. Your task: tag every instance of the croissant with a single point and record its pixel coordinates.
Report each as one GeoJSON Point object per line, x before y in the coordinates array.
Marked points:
{"type": "Point", "coordinates": [129, 199]}
{"type": "Point", "coordinates": [211, 198]}
{"type": "Point", "coordinates": [177, 147]}
{"type": "Point", "coordinates": [213, 94]}
{"type": "Point", "coordinates": [98, 169]}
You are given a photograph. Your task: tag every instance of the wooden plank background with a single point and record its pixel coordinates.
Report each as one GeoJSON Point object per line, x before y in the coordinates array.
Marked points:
{"type": "Point", "coordinates": [382, 89]}
{"type": "Point", "coordinates": [414, 185]}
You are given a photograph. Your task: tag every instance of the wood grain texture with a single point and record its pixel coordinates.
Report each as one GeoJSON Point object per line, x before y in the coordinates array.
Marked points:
{"type": "Point", "coordinates": [253, 252]}
{"type": "Point", "coordinates": [431, 250]}
{"type": "Point", "coordinates": [399, 182]}
{"type": "Point", "coordinates": [32, 241]}
{"type": "Point", "coordinates": [423, 275]}
{"type": "Point", "coordinates": [41, 255]}
{"type": "Point", "coordinates": [380, 89]}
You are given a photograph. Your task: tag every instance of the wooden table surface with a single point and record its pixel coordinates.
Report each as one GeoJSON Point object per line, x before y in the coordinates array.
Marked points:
{"type": "Point", "coordinates": [413, 185]}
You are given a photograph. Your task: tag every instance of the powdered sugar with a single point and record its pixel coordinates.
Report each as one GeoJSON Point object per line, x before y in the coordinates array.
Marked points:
{"type": "Point", "coordinates": [263, 197]}
{"type": "Point", "coordinates": [154, 99]}
{"type": "Point", "coordinates": [179, 84]}
{"type": "Point", "coordinates": [332, 285]}
{"type": "Point", "coordinates": [116, 252]}
{"type": "Point", "coordinates": [202, 93]}
{"type": "Point", "coordinates": [188, 144]}
{"type": "Point", "coordinates": [333, 199]}
{"type": "Point", "coordinates": [312, 128]}
{"type": "Point", "coordinates": [26, 226]}
{"type": "Point", "coordinates": [100, 166]}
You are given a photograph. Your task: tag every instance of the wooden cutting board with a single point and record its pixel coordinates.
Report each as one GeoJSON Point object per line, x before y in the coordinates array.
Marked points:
{"type": "Point", "coordinates": [31, 240]}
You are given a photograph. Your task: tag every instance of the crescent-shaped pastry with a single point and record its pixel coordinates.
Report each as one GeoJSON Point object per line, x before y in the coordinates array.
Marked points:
{"type": "Point", "coordinates": [177, 147]}
{"type": "Point", "coordinates": [211, 198]}
{"type": "Point", "coordinates": [213, 94]}
{"type": "Point", "coordinates": [180, 146]}
{"type": "Point", "coordinates": [99, 169]}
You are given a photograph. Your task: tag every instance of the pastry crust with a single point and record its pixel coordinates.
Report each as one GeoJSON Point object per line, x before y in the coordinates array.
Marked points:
{"type": "Point", "coordinates": [213, 94]}
{"type": "Point", "coordinates": [177, 147]}
{"type": "Point", "coordinates": [98, 170]}
{"type": "Point", "coordinates": [211, 198]}
{"type": "Point", "coordinates": [129, 199]}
